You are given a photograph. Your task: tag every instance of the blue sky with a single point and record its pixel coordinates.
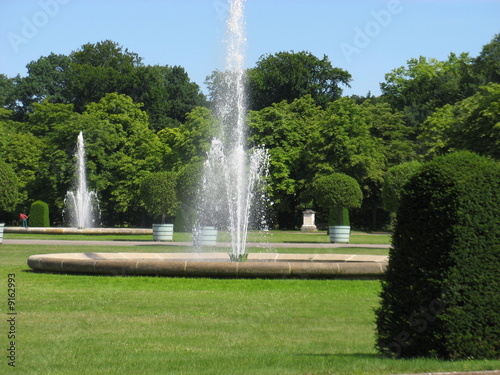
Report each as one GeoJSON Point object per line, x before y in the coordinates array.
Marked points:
{"type": "Point", "coordinates": [368, 38]}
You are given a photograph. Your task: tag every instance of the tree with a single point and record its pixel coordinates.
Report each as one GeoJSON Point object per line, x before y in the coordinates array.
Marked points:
{"type": "Point", "coordinates": [23, 151]}
{"type": "Point", "coordinates": [337, 192]}
{"type": "Point", "coordinates": [99, 69]}
{"type": "Point", "coordinates": [94, 70]}
{"type": "Point", "coordinates": [426, 84]}
{"type": "Point", "coordinates": [471, 124]}
{"type": "Point", "coordinates": [394, 181]}
{"type": "Point", "coordinates": [9, 188]}
{"type": "Point", "coordinates": [285, 129]}
{"type": "Point", "coordinates": [47, 79]}
{"type": "Point", "coordinates": [7, 88]}
{"type": "Point", "coordinates": [388, 125]}
{"type": "Point", "coordinates": [289, 76]}
{"type": "Point", "coordinates": [487, 64]}
{"type": "Point", "coordinates": [168, 95]}
{"type": "Point", "coordinates": [158, 194]}
{"type": "Point", "coordinates": [190, 142]}
{"type": "Point", "coordinates": [120, 149]}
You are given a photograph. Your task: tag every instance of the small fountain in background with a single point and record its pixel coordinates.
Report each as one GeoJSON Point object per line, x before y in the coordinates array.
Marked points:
{"type": "Point", "coordinates": [81, 206]}
{"type": "Point", "coordinates": [233, 175]}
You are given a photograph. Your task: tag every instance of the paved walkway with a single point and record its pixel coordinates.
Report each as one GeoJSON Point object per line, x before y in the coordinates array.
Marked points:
{"type": "Point", "coordinates": [291, 245]}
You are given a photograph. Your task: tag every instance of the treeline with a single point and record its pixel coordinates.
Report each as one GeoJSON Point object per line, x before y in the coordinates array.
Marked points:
{"type": "Point", "coordinates": [140, 119]}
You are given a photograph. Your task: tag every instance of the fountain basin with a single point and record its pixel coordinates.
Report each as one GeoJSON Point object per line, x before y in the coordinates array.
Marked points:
{"type": "Point", "coordinates": [259, 265]}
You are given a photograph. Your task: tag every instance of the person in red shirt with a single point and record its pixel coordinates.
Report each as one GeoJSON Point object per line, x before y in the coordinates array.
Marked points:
{"type": "Point", "coordinates": [24, 220]}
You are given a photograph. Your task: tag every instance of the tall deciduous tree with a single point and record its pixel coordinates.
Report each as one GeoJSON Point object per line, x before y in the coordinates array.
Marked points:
{"type": "Point", "coordinates": [487, 64]}
{"type": "Point", "coordinates": [9, 187]}
{"type": "Point", "coordinates": [158, 194]}
{"type": "Point", "coordinates": [168, 95]}
{"type": "Point", "coordinates": [471, 124]}
{"type": "Point", "coordinates": [285, 130]}
{"type": "Point", "coordinates": [292, 75]}
{"type": "Point", "coordinates": [426, 84]}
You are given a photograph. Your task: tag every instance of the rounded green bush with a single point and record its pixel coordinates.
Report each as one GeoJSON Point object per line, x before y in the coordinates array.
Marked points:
{"type": "Point", "coordinates": [440, 293]}
{"type": "Point", "coordinates": [39, 214]}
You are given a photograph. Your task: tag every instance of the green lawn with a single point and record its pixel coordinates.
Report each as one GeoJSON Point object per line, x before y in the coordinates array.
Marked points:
{"type": "Point", "coordinates": [271, 237]}
{"type": "Point", "coordinates": [74, 324]}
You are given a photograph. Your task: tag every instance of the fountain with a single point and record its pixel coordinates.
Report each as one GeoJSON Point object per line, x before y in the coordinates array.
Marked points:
{"type": "Point", "coordinates": [81, 206]}
{"type": "Point", "coordinates": [232, 174]}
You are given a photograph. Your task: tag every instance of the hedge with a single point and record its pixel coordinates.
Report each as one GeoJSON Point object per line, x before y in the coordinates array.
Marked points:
{"type": "Point", "coordinates": [440, 293]}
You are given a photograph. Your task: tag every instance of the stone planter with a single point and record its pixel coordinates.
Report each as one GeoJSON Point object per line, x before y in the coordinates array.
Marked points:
{"type": "Point", "coordinates": [339, 233]}
{"type": "Point", "coordinates": [206, 236]}
{"type": "Point", "coordinates": [163, 232]}
{"type": "Point", "coordinates": [1, 233]}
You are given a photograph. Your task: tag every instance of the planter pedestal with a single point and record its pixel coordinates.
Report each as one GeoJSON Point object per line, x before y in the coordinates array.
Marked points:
{"type": "Point", "coordinates": [206, 236]}
{"type": "Point", "coordinates": [339, 233]}
{"type": "Point", "coordinates": [163, 232]}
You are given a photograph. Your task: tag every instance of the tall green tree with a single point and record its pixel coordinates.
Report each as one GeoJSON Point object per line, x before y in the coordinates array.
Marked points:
{"type": "Point", "coordinates": [158, 194]}
{"type": "Point", "coordinates": [47, 79]}
{"type": "Point", "coordinates": [9, 188]}
{"type": "Point", "coordinates": [344, 144]}
{"type": "Point", "coordinates": [123, 148]}
{"type": "Point", "coordinates": [22, 151]}
{"type": "Point", "coordinates": [168, 95]}
{"type": "Point", "coordinates": [101, 68]}
{"type": "Point", "coordinates": [292, 75]}
{"type": "Point", "coordinates": [190, 142]}
{"type": "Point", "coordinates": [285, 130]}
{"type": "Point", "coordinates": [423, 85]}
{"type": "Point", "coordinates": [487, 64]}
{"type": "Point", "coordinates": [120, 149]}
{"type": "Point", "coordinates": [7, 87]}
{"type": "Point", "coordinates": [471, 124]}
{"type": "Point", "coordinates": [387, 125]}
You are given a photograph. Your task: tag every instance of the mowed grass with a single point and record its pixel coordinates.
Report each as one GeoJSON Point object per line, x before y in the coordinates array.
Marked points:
{"type": "Point", "coordinates": [253, 236]}
{"type": "Point", "coordinates": [77, 324]}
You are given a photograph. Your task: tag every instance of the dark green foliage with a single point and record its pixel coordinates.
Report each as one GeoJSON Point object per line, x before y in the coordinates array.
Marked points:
{"type": "Point", "coordinates": [39, 214]}
{"type": "Point", "coordinates": [9, 188]}
{"type": "Point", "coordinates": [394, 181]}
{"type": "Point", "coordinates": [158, 193]}
{"type": "Point", "coordinates": [339, 216]}
{"type": "Point", "coordinates": [337, 189]}
{"type": "Point", "coordinates": [292, 75]}
{"type": "Point", "coordinates": [441, 290]}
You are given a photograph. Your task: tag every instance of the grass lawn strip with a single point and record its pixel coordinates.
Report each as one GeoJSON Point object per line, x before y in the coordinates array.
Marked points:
{"type": "Point", "coordinates": [71, 324]}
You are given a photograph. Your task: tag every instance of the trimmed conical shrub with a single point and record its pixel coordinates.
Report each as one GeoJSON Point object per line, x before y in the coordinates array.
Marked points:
{"type": "Point", "coordinates": [39, 214]}
{"type": "Point", "coordinates": [441, 292]}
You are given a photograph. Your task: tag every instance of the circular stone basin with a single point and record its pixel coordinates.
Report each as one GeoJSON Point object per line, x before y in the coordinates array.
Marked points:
{"type": "Point", "coordinates": [258, 265]}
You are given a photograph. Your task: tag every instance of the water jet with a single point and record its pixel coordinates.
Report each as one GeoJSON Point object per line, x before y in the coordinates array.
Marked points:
{"type": "Point", "coordinates": [81, 206]}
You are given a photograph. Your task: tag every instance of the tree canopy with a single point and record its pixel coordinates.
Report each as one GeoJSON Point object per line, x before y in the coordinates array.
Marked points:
{"type": "Point", "coordinates": [292, 75]}
{"type": "Point", "coordinates": [139, 119]}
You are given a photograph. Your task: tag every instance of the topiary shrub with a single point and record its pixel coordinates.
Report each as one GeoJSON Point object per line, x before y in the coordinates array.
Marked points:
{"type": "Point", "coordinates": [440, 293]}
{"type": "Point", "coordinates": [337, 192]}
{"type": "Point", "coordinates": [39, 214]}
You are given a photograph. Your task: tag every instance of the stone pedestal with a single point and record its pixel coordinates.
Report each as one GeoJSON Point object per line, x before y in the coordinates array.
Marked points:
{"type": "Point", "coordinates": [308, 225]}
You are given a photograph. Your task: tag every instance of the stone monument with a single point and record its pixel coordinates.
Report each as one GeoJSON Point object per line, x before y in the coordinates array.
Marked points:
{"type": "Point", "coordinates": [308, 225]}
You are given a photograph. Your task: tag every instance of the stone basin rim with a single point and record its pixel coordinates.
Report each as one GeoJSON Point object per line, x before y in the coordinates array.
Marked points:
{"type": "Point", "coordinates": [258, 265]}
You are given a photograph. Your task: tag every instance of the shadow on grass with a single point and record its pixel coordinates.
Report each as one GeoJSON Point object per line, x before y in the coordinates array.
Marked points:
{"type": "Point", "coordinates": [338, 355]}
